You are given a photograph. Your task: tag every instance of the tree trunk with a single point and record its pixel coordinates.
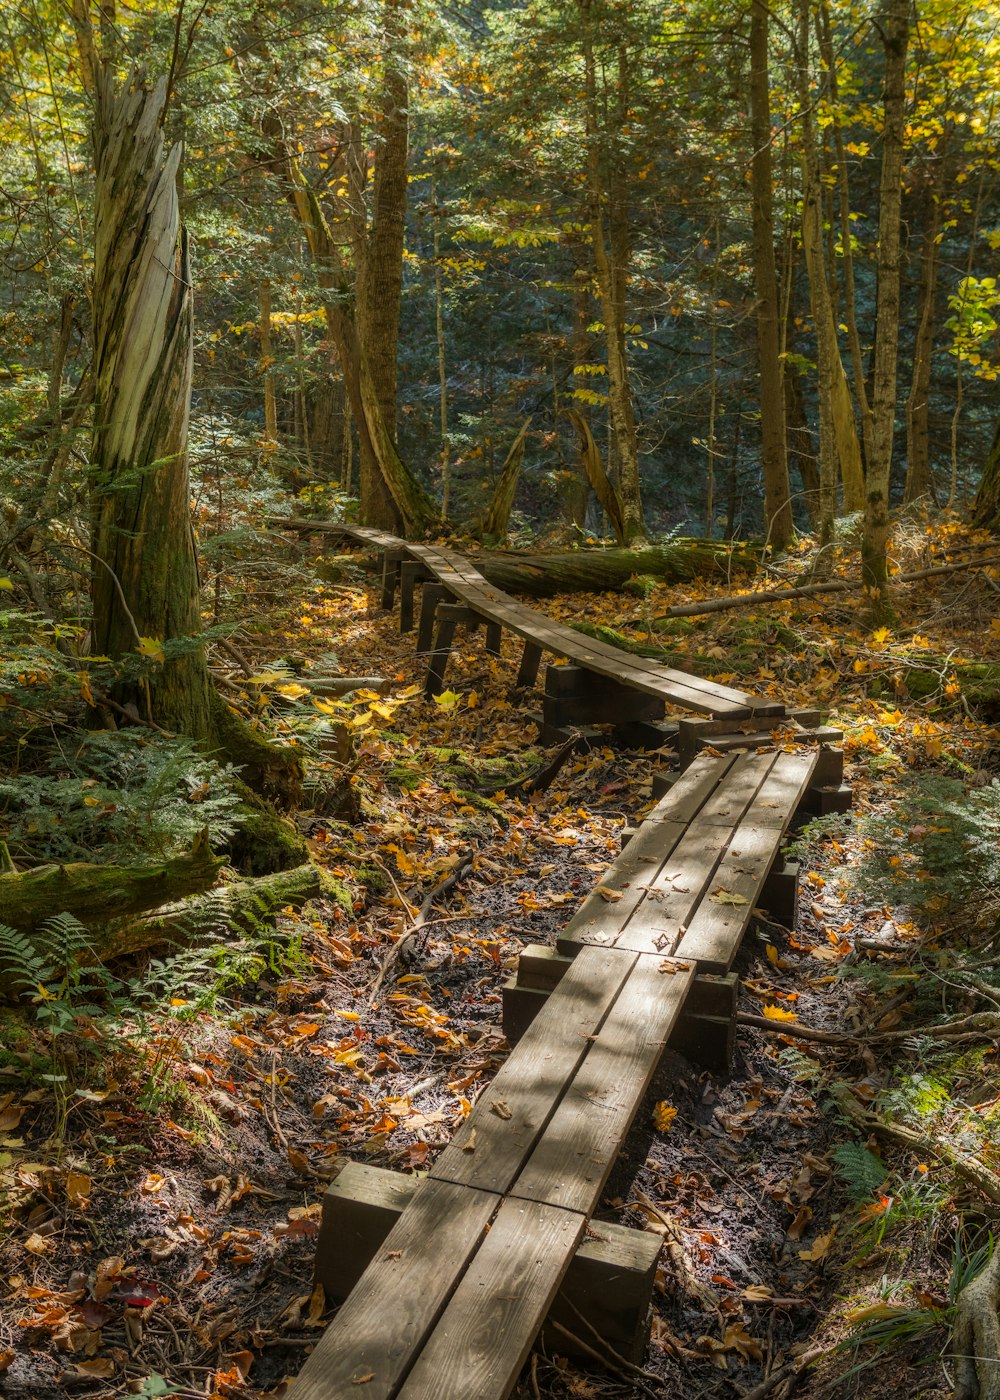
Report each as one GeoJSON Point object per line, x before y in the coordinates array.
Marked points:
{"type": "Point", "coordinates": [410, 509]}
{"type": "Point", "coordinates": [777, 501]}
{"type": "Point", "coordinates": [986, 511]}
{"type": "Point", "coordinates": [145, 580]}
{"type": "Point", "coordinates": [145, 584]}
{"type": "Point", "coordinates": [875, 542]}
{"type": "Point", "coordinates": [604, 490]}
{"type": "Point", "coordinates": [492, 529]}
{"type": "Point", "coordinates": [266, 363]}
{"type": "Point", "coordinates": [380, 279]}
{"type": "Point", "coordinates": [839, 447]}
{"type": "Point", "coordinates": [606, 190]}
{"type": "Point", "coordinates": [919, 477]}
{"type": "Point", "coordinates": [847, 251]}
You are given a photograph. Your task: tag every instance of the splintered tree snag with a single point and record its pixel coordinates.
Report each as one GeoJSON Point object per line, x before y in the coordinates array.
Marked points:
{"type": "Point", "coordinates": [593, 466]}
{"type": "Point", "coordinates": [145, 579]}
{"type": "Point", "coordinates": [493, 525]}
{"type": "Point", "coordinates": [145, 582]}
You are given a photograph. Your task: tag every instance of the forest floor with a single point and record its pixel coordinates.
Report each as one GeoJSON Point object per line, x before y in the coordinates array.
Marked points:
{"type": "Point", "coordinates": [165, 1180]}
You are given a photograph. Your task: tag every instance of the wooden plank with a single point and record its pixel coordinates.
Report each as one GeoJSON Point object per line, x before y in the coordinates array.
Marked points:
{"type": "Point", "coordinates": [483, 1339]}
{"type": "Point", "coordinates": [784, 788]}
{"type": "Point", "coordinates": [674, 892]}
{"type": "Point", "coordinates": [609, 1281]}
{"type": "Point", "coordinates": [376, 1336]}
{"type": "Point", "coordinates": [689, 793]}
{"type": "Point", "coordinates": [508, 1118]}
{"type": "Point", "coordinates": [716, 930]}
{"type": "Point", "coordinates": [527, 672]}
{"type": "Point", "coordinates": [600, 920]}
{"type": "Point", "coordinates": [734, 796]}
{"type": "Point", "coordinates": [578, 1148]}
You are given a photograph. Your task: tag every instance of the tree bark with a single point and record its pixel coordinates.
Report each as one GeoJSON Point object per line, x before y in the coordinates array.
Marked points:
{"type": "Point", "coordinates": [604, 490]}
{"type": "Point", "coordinates": [492, 529]}
{"type": "Point", "coordinates": [986, 511]}
{"type": "Point", "coordinates": [266, 363]}
{"type": "Point", "coordinates": [919, 477]}
{"type": "Point", "coordinates": [145, 583]}
{"type": "Point", "coordinates": [605, 186]}
{"type": "Point", "coordinates": [875, 541]}
{"type": "Point", "coordinates": [777, 502]}
{"type": "Point", "coordinates": [839, 447]}
{"type": "Point", "coordinates": [598, 570]}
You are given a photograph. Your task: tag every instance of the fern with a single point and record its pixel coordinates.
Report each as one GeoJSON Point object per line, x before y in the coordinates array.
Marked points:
{"type": "Point", "coordinates": [861, 1171]}
{"type": "Point", "coordinates": [21, 962]}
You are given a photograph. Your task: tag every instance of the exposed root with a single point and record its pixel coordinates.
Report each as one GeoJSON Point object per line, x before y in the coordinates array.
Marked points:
{"type": "Point", "coordinates": [976, 1343]}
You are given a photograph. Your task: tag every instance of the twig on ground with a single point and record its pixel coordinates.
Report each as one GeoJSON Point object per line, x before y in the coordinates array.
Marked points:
{"type": "Point", "coordinates": [418, 923]}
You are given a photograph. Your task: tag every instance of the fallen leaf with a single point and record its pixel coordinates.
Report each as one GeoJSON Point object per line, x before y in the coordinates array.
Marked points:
{"type": "Point", "coordinates": [663, 1116]}
{"type": "Point", "coordinates": [722, 896]}
{"type": "Point", "coordinates": [78, 1188]}
{"type": "Point", "coordinates": [819, 1248]}
{"type": "Point", "coordinates": [98, 1369]}
{"type": "Point", "coordinates": [501, 1109]}
{"type": "Point", "coordinates": [606, 892]}
{"type": "Point", "coordinates": [470, 1145]}
{"type": "Point", "coordinates": [363, 1380]}
{"type": "Point", "coordinates": [778, 1013]}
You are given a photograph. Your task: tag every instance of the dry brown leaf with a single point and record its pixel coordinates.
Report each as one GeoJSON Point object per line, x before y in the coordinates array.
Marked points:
{"type": "Point", "coordinates": [501, 1109]}
{"type": "Point", "coordinates": [78, 1187]}
{"type": "Point", "coordinates": [606, 892]}
{"type": "Point", "coordinates": [470, 1146]}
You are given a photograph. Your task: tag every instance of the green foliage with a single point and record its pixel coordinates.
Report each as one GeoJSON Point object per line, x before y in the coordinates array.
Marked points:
{"type": "Point", "coordinates": [118, 796]}
{"type": "Point", "coordinates": [937, 851]}
{"type": "Point", "coordinates": [861, 1171]}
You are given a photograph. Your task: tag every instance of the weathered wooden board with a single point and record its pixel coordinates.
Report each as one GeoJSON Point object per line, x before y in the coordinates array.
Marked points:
{"type": "Point", "coordinates": [716, 929]}
{"type": "Point", "coordinates": [689, 793]}
{"type": "Point", "coordinates": [481, 1342]}
{"type": "Point", "coordinates": [578, 1148]}
{"type": "Point", "coordinates": [508, 1118]}
{"type": "Point", "coordinates": [784, 787]}
{"type": "Point", "coordinates": [376, 1336]}
{"type": "Point", "coordinates": [600, 919]}
{"type": "Point", "coordinates": [727, 805]}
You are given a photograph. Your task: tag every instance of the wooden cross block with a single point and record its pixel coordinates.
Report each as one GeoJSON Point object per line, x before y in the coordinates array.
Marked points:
{"type": "Point", "coordinates": [609, 1283]}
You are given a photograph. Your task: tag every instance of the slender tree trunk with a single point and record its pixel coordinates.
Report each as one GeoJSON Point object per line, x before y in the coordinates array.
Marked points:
{"type": "Point", "coordinates": [380, 284]}
{"type": "Point", "coordinates": [492, 528]}
{"type": "Point", "coordinates": [986, 512]}
{"type": "Point", "coordinates": [413, 512]}
{"type": "Point", "coordinates": [919, 477]}
{"type": "Point", "coordinates": [777, 502]}
{"type": "Point", "coordinates": [606, 192]}
{"type": "Point", "coordinates": [874, 546]}
{"type": "Point", "coordinates": [442, 361]}
{"type": "Point", "coordinates": [266, 363]}
{"type": "Point", "coordinates": [847, 252]}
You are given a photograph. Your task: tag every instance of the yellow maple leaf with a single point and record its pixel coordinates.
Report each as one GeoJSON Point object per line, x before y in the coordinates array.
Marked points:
{"type": "Point", "coordinates": [881, 635]}
{"type": "Point", "coordinates": [778, 1013]}
{"type": "Point", "coordinates": [663, 1116]}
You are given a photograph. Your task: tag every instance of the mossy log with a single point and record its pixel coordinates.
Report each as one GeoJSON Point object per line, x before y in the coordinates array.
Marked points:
{"type": "Point", "coordinates": [243, 905]}
{"type": "Point", "coordinates": [95, 893]}
{"type": "Point", "coordinates": [599, 570]}
{"type": "Point", "coordinates": [978, 681]}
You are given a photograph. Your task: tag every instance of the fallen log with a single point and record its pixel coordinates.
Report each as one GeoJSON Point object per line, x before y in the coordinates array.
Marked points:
{"type": "Point", "coordinates": [97, 893]}
{"type": "Point", "coordinates": [600, 570]}
{"type": "Point", "coordinates": [244, 905]}
{"type": "Point", "coordinates": [585, 570]}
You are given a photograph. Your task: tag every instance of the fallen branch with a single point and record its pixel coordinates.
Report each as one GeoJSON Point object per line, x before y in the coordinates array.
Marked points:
{"type": "Point", "coordinates": [807, 590]}
{"type": "Point", "coordinates": [401, 946]}
{"type": "Point", "coordinates": [973, 1171]}
{"type": "Point", "coordinates": [762, 1023]}
{"type": "Point", "coordinates": [539, 778]}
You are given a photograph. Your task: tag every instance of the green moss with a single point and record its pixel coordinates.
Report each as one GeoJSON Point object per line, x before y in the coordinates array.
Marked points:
{"type": "Point", "coordinates": [404, 777]}
{"type": "Point", "coordinates": [373, 879]}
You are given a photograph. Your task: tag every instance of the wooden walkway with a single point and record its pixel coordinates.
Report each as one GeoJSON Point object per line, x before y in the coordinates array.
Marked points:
{"type": "Point", "coordinates": [456, 593]}
{"type": "Point", "coordinates": [446, 1283]}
